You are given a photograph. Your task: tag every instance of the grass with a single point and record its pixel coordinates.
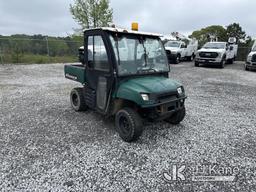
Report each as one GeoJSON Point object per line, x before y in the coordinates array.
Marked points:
{"type": "Point", "coordinates": [36, 59]}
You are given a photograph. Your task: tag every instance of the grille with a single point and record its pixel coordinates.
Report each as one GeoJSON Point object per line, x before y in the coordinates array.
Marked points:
{"type": "Point", "coordinates": [208, 54]}
{"type": "Point", "coordinates": [167, 96]}
{"type": "Point", "coordinates": [254, 58]}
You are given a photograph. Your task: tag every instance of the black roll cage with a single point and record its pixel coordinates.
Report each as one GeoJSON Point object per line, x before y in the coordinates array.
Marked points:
{"type": "Point", "coordinates": [111, 57]}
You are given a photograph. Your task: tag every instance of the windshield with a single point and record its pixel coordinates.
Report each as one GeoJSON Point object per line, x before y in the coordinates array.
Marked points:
{"type": "Point", "coordinates": [172, 44]}
{"type": "Point", "coordinates": [214, 46]}
{"type": "Point", "coordinates": [136, 55]}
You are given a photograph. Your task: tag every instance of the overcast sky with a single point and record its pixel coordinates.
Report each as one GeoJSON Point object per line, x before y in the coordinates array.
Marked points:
{"type": "Point", "coordinates": [52, 17]}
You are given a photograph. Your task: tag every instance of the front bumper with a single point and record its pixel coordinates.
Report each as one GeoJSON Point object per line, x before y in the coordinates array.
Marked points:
{"type": "Point", "coordinates": [209, 61]}
{"type": "Point", "coordinates": [171, 56]}
{"type": "Point", "coordinates": [165, 109]}
{"type": "Point", "coordinates": [251, 65]}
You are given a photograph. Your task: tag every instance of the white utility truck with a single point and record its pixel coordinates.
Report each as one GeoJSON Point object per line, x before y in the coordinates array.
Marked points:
{"type": "Point", "coordinates": [251, 59]}
{"type": "Point", "coordinates": [180, 48]}
{"type": "Point", "coordinates": [217, 53]}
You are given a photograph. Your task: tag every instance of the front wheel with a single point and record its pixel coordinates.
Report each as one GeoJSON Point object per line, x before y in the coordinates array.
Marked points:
{"type": "Point", "coordinates": [222, 64]}
{"type": "Point", "coordinates": [177, 60]}
{"type": "Point", "coordinates": [177, 117]}
{"type": "Point", "coordinates": [196, 64]}
{"type": "Point", "coordinates": [246, 68]}
{"type": "Point", "coordinates": [128, 124]}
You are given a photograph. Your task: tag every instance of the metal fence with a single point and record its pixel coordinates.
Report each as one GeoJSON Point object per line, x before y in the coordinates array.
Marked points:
{"type": "Point", "coordinates": [242, 53]}
{"type": "Point", "coordinates": [46, 50]}
{"type": "Point", "coordinates": [19, 50]}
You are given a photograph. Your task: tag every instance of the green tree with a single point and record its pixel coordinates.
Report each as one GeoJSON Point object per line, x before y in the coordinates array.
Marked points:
{"type": "Point", "coordinates": [235, 30]}
{"type": "Point", "coordinates": [203, 35]}
{"type": "Point", "coordinates": [57, 47]}
{"type": "Point", "coordinates": [92, 13]}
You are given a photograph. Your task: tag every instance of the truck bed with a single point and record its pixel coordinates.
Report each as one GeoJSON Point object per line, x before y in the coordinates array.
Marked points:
{"type": "Point", "coordinates": [75, 73]}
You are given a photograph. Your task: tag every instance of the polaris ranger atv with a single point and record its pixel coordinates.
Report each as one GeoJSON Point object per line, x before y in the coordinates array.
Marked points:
{"type": "Point", "coordinates": [126, 74]}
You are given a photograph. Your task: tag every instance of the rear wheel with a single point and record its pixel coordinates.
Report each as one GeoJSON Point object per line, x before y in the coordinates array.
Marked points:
{"type": "Point", "coordinates": [177, 117]}
{"type": "Point", "coordinates": [230, 61]}
{"type": "Point", "coordinates": [191, 58]}
{"type": "Point", "coordinates": [128, 124]}
{"type": "Point", "coordinates": [77, 99]}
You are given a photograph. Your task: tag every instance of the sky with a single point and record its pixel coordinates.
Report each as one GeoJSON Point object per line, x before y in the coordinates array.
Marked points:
{"type": "Point", "coordinates": [52, 17]}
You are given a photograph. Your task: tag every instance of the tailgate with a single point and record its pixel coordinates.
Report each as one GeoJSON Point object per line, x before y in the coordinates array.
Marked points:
{"type": "Point", "coordinates": [75, 73]}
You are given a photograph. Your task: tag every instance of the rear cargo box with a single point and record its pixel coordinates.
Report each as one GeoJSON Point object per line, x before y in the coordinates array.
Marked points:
{"type": "Point", "coordinates": [75, 73]}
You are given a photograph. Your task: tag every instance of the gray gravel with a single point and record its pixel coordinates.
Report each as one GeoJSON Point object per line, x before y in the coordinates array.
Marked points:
{"type": "Point", "coordinates": [46, 146]}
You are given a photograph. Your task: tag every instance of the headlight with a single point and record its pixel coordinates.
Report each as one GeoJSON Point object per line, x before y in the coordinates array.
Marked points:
{"type": "Point", "coordinates": [180, 90]}
{"type": "Point", "coordinates": [249, 58]}
{"type": "Point", "coordinates": [144, 96]}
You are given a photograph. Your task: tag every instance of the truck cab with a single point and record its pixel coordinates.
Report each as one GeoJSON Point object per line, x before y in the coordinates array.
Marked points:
{"type": "Point", "coordinates": [125, 74]}
{"type": "Point", "coordinates": [175, 50]}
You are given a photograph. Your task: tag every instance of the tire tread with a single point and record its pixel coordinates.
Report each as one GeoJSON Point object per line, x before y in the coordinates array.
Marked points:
{"type": "Point", "coordinates": [135, 119]}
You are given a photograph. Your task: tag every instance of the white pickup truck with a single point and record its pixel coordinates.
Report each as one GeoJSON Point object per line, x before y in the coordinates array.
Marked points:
{"type": "Point", "coordinates": [216, 53]}
{"type": "Point", "coordinates": [251, 59]}
{"type": "Point", "coordinates": [179, 50]}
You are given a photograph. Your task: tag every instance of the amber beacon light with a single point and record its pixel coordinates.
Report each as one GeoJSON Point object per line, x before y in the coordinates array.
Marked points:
{"type": "Point", "coordinates": [135, 26]}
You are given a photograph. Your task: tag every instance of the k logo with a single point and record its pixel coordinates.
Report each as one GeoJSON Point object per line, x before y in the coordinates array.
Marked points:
{"type": "Point", "coordinates": [176, 174]}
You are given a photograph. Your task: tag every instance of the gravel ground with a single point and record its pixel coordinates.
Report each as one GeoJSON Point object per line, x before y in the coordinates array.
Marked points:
{"type": "Point", "coordinates": [46, 146]}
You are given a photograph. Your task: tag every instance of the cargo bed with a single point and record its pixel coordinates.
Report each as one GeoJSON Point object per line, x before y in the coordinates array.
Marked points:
{"type": "Point", "coordinates": [75, 73]}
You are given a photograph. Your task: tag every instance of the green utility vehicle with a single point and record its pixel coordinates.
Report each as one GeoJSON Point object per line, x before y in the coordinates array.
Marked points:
{"type": "Point", "coordinates": [126, 74]}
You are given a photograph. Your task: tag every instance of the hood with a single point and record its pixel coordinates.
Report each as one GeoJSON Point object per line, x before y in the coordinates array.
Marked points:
{"type": "Point", "coordinates": [150, 84]}
{"type": "Point", "coordinates": [176, 49]}
{"type": "Point", "coordinates": [251, 53]}
{"type": "Point", "coordinates": [211, 50]}
{"type": "Point", "coordinates": [132, 88]}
